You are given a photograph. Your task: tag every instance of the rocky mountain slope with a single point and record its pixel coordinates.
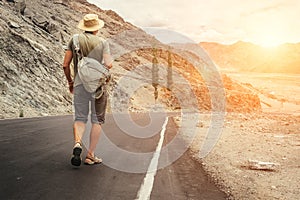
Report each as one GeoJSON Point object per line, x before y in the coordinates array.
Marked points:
{"type": "Point", "coordinates": [32, 47]}
{"type": "Point", "coordinates": [248, 57]}
{"type": "Point", "coordinates": [32, 40]}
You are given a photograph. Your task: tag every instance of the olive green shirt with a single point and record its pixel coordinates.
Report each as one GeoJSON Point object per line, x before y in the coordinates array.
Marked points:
{"type": "Point", "coordinates": [90, 46]}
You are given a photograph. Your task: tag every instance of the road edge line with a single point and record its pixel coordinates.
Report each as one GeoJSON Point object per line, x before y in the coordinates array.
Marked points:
{"type": "Point", "coordinates": [147, 185]}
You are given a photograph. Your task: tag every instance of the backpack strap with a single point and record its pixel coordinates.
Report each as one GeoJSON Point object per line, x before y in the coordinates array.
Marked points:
{"type": "Point", "coordinates": [77, 51]}
{"type": "Point", "coordinates": [77, 47]}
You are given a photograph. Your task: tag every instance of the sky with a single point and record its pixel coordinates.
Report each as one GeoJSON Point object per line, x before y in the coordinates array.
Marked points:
{"type": "Point", "coordinates": [263, 22]}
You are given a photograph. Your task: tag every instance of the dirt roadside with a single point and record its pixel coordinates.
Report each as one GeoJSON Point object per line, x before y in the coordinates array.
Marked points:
{"type": "Point", "coordinates": [270, 136]}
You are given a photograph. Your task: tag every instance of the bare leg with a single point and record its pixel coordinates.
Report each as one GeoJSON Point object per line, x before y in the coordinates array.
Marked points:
{"type": "Point", "coordinates": [94, 138]}
{"type": "Point", "coordinates": [79, 128]}
{"type": "Point", "coordinates": [78, 131]}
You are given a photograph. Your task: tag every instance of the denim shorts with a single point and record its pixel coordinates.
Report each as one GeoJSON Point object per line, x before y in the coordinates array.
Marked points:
{"type": "Point", "coordinates": [85, 102]}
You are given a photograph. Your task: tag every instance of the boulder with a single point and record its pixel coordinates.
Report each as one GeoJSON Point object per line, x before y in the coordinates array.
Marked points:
{"type": "Point", "coordinates": [43, 23]}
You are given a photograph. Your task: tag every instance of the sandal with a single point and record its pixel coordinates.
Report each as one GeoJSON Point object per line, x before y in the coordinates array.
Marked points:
{"type": "Point", "coordinates": [89, 160]}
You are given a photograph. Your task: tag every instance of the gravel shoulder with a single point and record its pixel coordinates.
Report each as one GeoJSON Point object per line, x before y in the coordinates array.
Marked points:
{"type": "Point", "coordinates": [262, 137]}
{"type": "Point", "coordinates": [269, 136]}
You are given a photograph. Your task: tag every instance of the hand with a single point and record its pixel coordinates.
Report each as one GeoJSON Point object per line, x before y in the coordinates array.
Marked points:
{"type": "Point", "coordinates": [109, 66]}
{"type": "Point", "coordinates": [71, 87]}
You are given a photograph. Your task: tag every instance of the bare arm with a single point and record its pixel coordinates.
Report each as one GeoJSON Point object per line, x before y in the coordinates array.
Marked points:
{"type": "Point", "coordinates": [66, 67]}
{"type": "Point", "coordinates": [107, 60]}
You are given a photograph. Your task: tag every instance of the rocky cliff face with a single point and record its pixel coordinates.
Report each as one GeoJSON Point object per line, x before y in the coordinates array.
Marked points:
{"type": "Point", "coordinates": [33, 35]}
{"type": "Point", "coordinates": [32, 40]}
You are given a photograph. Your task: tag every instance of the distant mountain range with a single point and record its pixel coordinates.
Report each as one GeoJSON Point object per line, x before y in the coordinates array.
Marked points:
{"type": "Point", "coordinates": [248, 57]}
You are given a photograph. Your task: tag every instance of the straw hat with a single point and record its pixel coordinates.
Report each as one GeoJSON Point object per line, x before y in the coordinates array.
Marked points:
{"type": "Point", "coordinates": [90, 22]}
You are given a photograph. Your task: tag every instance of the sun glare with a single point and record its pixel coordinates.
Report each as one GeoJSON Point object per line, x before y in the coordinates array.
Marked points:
{"type": "Point", "coordinates": [270, 41]}
{"type": "Point", "coordinates": [270, 38]}
{"type": "Point", "coordinates": [270, 32]}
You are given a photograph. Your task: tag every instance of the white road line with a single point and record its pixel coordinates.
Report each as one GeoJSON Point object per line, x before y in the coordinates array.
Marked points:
{"type": "Point", "coordinates": [146, 187]}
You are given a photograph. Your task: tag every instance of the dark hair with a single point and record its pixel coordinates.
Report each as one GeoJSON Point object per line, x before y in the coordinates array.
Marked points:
{"type": "Point", "coordinates": [89, 32]}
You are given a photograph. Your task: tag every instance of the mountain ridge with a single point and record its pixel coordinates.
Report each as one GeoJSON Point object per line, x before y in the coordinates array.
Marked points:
{"type": "Point", "coordinates": [249, 57]}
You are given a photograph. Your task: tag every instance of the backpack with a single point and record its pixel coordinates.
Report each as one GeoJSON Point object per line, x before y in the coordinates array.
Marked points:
{"type": "Point", "coordinates": [92, 73]}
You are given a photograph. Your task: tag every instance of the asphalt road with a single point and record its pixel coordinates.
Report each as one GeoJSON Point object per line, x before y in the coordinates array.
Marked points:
{"type": "Point", "coordinates": [35, 164]}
